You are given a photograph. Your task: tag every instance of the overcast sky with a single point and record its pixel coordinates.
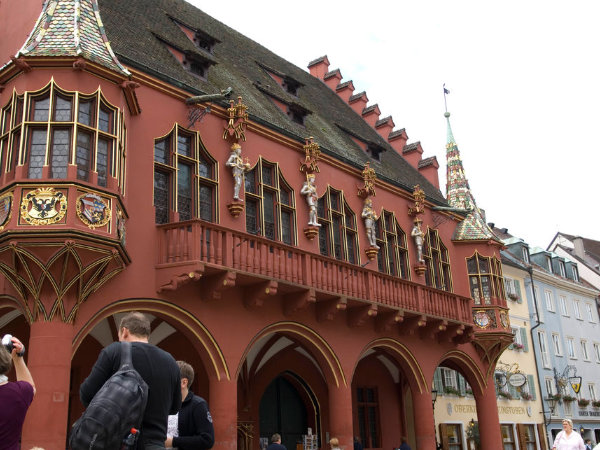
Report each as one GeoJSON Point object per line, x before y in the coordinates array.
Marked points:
{"type": "Point", "coordinates": [524, 81]}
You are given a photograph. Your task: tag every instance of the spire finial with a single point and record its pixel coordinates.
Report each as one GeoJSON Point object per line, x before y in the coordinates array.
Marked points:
{"type": "Point", "coordinates": [446, 92]}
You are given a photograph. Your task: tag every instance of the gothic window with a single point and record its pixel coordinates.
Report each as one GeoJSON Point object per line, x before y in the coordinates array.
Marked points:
{"type": "Point", "coordinates": [62, 128]}
{"type": "Point", "coordinates": [184, 177]}
{"type": "Point", "coordinates": [269, 203]}
{"type": "Point", "coordinates": [337, 234]}
{"type": "Point", "coordinates": [485, 279]}
{"type": "Point", "coordinates": [393, 255]}
{"type": "Point", "coordinates": [437, 262]}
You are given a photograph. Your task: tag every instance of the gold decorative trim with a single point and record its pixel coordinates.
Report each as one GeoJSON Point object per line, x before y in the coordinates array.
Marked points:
{"type": "Point", "coordinates": [6, 207]}
{"type": "Point", "coordinates": [43, 206]}
{"type": "Point", "coordinates": [93, 210]}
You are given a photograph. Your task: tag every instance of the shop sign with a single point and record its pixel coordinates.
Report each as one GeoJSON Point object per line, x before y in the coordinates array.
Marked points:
{"type": "Point", "coordinates": [517, 380]}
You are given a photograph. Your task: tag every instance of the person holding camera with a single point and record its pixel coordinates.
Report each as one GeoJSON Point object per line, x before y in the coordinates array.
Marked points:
{"type": "Point", "coordinates": [15, 397]}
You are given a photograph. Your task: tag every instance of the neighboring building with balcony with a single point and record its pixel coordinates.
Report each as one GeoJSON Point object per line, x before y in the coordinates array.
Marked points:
{"type": "Point", "coordinates": [565, 336]}
{"type": "Point", "coordinates": [248, 229]}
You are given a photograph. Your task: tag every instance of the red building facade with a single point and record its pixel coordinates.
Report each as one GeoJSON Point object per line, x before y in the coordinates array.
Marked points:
{"type": "Point", "coordinates": [118, 175]}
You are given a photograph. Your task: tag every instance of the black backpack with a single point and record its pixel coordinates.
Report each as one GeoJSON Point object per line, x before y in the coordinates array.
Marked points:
{"type": "Point", "coordinates": [117, 407]}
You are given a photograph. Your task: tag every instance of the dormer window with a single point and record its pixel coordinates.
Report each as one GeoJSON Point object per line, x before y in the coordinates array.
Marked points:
{"type": "Point", "coordinates": [297, 114]}
{"type": "Point", "coordinates": [549, 263]}
{"type": "Point", "coordinates": [291, 86]}
{"type": "Point", "coordinates": [575, 273]}
{"type": "Point", "coordinates": [375, 152]}
{"type": "Point", "coordinates": [204, 41]}
{"type": "Point", "coordinates": [526, 255]}
{"type": "Point", "coordinates": [561, 266]}
{"type": "Point", "coordinates": [196, 65]}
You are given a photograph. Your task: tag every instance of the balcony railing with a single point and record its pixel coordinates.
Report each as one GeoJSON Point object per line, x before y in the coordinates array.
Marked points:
{"type": "Point", "coordinates": [198, 241]}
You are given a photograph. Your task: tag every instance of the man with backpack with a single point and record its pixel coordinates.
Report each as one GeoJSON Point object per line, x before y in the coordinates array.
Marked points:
{"type": "Point", "coordinates": [157, 368]}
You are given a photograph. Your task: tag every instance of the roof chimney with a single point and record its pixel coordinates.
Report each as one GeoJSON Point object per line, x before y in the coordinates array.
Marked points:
{"type": "Point", "coordinates": [333, 78]}
{"type": "Point", "coordinates": [345, 90]}
{"type": "Point", "coordinates": [371, 114]}
{"type": "Point", "coordinates": [319, 67]}
{"type": "Point", "coordinates": [578, 247]}
{"type": "Point", "coordinates": [429, 169]}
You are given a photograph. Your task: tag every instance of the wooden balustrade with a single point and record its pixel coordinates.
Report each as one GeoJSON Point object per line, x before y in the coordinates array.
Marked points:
{"type": "Point", "coordinates": [212, 244]}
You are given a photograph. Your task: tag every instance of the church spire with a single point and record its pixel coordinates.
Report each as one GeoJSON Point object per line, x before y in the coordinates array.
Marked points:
{"type": "Point", "coordinates": [72, 28]}
{"type": "Point", "coordinates": [459, 196]}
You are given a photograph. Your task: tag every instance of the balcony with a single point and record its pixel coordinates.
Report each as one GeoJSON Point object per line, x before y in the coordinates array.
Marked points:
{"type": "Point", "coordinates": [195, 249]}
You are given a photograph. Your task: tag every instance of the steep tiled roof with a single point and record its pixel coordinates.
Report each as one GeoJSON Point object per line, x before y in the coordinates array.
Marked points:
{"type": "Point", "coordinates": [71, 28]}
{"type": "Point", "coordinates": [133, 26]}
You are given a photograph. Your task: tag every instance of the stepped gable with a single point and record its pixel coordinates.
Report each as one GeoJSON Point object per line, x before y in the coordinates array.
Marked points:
{"type": "Point", "coordinates": [459, 195]}
{"type": "Point", "coordinates": [72, 28]}
{"type": "Point", "coordinates": [133, 28]}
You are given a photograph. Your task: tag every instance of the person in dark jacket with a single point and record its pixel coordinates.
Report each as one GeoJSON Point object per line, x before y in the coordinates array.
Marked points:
{"type": "Point", "coordinates": [276, 443]}
{"type": "Point", "coordinates": [158, 369]}
{"type": "Point", "coordinates": [194, 425]}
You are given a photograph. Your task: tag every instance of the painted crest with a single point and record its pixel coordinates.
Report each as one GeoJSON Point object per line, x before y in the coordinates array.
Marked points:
{"type": "Point", "coordinates": [92, 210]}
{"type": "Point", "coordinates": [43, 206]}
{"type": "Point", "coordinates": [481, 319]}
{"type": "Point", "coordinates": [6, 202]}
{"type": "Point", "coordinates": [504, 320]}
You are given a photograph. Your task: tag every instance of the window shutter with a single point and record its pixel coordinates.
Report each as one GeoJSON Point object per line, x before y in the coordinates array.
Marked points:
{"type": "Point", "coordinates": [542, 436]}
{"type": "Point", "coordinates": [444, 435]}
{"type": "Point", "coordinates": [524, 339]}
{"type": "Point", "coordinates": [461, 384]}
{"type": "Point", "coordinates": [522, 435]}
{"type": "Point", "coordinates": [518, 291]}
{"type": "Point", "coordinates": [437, 381]}
{"type": "Point", "coordinates": [531, 386]}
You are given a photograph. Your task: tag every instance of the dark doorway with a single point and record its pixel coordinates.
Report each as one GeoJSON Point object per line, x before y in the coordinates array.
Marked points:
{"type": "Point", "coordinates": [283, 411]}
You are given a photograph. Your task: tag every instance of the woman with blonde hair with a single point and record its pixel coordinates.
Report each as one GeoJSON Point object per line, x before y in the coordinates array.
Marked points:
{"type": "Point", "coordinates": [334, 443]}
{"type": "Point", "coordinates": [568, 439]}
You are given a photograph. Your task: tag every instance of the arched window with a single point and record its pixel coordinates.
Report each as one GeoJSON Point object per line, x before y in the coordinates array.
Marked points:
{"type": "Point", "coordinates": [485, 278]}
{"type": "Point", "coordinates": [437, 263]}
{"type": "Point", "coordinates": [337, 234]}
{"type": "Point", "coordinates": [61, 128]}
{"type": "Point", "coordinates": [393, 255]}
{"type": "Point", "coordinates": [269, 203]}
{"type": "Point", "coordinates": [185, 177]}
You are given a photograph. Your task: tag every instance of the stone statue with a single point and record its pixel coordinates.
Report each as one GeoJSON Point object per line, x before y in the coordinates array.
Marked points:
{"type": "Point", "coordinates": [418, 234]}
{"type": "Point", "coordinates": [238, 168]}
{"type": "Point", "coordinates": [310, 190]}
{"type": "Point", "coordinates": [370, 217]}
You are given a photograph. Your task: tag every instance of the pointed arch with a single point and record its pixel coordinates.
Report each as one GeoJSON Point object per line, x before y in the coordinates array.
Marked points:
{"type": "Point", "coordinates": [317, 346]}
{"type": "Point", "coordinates": [404, 357]}
{"type": "Point", "coordinates": [468, 367]}
{"type": "Point", "coordinates": [205, 343]}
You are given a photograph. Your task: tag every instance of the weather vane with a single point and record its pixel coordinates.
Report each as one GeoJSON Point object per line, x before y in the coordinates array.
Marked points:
{"type": "Point", "coordinates": [446, 91]}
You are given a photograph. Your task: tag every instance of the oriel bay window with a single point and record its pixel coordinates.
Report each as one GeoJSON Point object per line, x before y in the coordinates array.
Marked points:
{"type": "Point", "coordinates": [337, 234]}
{"type": "Point", "coordinates": [393, 255]}
{"type": "Point", "coordinates": [437, 262]}
{"type": "Point", "coordinates": [485, 278]}
{"type": "Point", "coordinates": [62, 128]}
{"type": "Point", "coordinates": [185, 177]}
{"type": "Point", "coordinates": [269, 203]}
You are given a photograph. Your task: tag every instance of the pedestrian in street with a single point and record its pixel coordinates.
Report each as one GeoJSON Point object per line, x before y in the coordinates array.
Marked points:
{"type": "Point", "coordinates": [568, 439]}
{"type": "Point", "coordinates": [15, 396]}
{"type": "Point", "coordinates": [191, 428]}
{"type": "Point", "coordinates": [404, 445]}
{"type": "Point", "coordinates": [276, 443]}
{"type": "Point", "coordinates": [334, 443]}
{"type": "Point", "coordinates": [158, 369]}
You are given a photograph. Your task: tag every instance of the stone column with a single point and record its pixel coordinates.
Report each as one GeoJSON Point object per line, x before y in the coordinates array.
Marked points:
{"type": "Point", "coordinates": [340, 416]}
{"type": "Point", "coordinates": [49, 361]}
{"type": "Point", "coordinates": [423, 418]}
{"type": "Point", "coordinates": [223, 409]}
{"type": "Point", "coordinates": [487, 416]}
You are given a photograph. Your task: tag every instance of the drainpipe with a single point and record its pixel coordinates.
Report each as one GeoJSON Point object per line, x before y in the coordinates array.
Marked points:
{"type": "Point", "coordinates": [537, 317]}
